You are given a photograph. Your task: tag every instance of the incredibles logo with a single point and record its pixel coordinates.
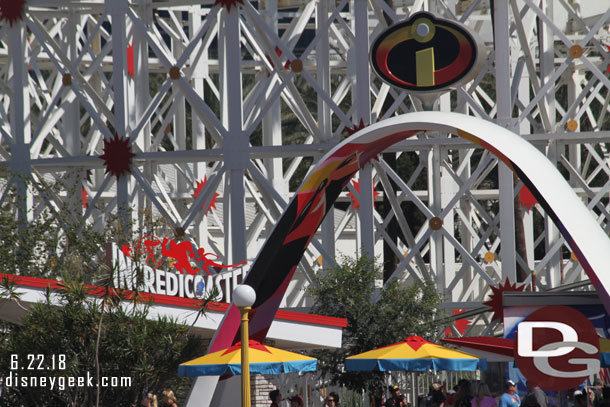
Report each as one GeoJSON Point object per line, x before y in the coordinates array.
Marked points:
{"type": "Point", "coordinates": [426, 53]}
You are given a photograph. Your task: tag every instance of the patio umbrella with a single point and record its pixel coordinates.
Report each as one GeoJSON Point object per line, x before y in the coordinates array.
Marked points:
{"type": "Point", "coordinates": [414, 354]}
{"type": "Point", "coordinates": [263, 360]}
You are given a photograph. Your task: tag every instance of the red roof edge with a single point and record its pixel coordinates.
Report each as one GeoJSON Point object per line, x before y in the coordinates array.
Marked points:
{"type": "Point", "coordinates": [501, 346]}
{"type": "Point", "coordinates": [35, 282]}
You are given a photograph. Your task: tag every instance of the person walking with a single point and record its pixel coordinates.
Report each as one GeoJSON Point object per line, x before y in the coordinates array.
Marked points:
{"type": "Point", "coordinates": [605, 401]}
{"type": "Point", "coordinates": [483, 397]}
{"type": "Point", "coordinates": [169, 399]}
{"type": "Point", "coordinates": [394, 400]}
{"type": "Point", "coordinates": [296, 401]}
{"type": "Point", "coordinates": [436, 397]}
{"type": "Point", "coordinates": [510, 398]}
{"type": "Point", "coordinates": [464, 394]}
{"type": "Point", "coordinates": [596, 389]}
{"type": "Point", "coordinates": [149, 399]}
{"type": "Point", "coordinates": [275, 397]}
{"type": "Point", "coordinates": [450, 400]}
{"type": "Point", "coordinates": [580, 399]}
{"type": "Point", "coordinates": [535, 397]}
{"type": "Point", "coordinates": [332, 400]}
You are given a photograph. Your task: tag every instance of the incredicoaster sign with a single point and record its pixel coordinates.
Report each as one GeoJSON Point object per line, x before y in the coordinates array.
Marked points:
{"type": "Point", "coordinates": [426, 53]}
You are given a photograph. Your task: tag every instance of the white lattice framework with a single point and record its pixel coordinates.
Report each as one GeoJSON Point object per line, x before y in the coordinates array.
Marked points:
{"type": "Point", "coordinates": [212, 88]}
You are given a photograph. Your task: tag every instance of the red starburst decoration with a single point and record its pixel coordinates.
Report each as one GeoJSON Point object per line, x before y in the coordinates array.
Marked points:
{"type": "Point", "coordinates": [117, 155]}
{"type": "Point", "coordinates": [356, 127]}
{"type": "Point", "coordinates": [356, 184]}
{"type": "Point", "coordinates": [228, 3]}
{"type": "Point", "coordinates": [130, 61]}
{"type": "Point", "coordinates": [495, 298]}
{"type": "Point", "coordinates": [460, 324]}
{"type": "Point", "coordinates": [527, 198]}
{"type": "Point", "coordinates": [278, 52]}
{"type": "Point", "coordinates": [199, 188]}
{"type": "Point", "coordinates": [608, 68]}
{"type": "Point", "coordinates": [12, 10]}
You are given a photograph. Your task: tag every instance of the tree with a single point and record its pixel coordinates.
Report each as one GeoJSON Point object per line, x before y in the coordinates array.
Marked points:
{"type": "Point", "coordinates": [53, 242]}
{"type": "Point", "coordinates": [71, 340]}
{"type": "Point", "coordinates": [94, 336]}
{"type": "Point", "coordinates": [348, 291]}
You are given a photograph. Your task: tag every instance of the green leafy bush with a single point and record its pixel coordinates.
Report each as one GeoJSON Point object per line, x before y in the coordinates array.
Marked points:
{"type": "Point", "coordinates": [375, 317]}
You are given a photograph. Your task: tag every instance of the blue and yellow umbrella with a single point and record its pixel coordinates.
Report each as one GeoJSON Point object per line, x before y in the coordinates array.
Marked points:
{"type": "Point", "coordinates": [604, 352]}
{"type": "Point", "coordinates": [263, 360]}
{"type": "Point", "coordinates": [414, 354]}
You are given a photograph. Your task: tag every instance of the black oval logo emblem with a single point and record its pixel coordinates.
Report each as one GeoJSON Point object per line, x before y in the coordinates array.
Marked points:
{"type": "Point", "coordinates": [424, 53]}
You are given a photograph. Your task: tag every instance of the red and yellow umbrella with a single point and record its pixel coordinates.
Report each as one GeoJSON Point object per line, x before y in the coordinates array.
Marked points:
{"type": "Point", "coordinates": [414, 354]}
{"type": "Point", "coordinates": [263, 360]}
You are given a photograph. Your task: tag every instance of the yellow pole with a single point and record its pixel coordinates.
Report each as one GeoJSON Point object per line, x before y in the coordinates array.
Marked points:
{"type": "Point", "coordinates": [245, 358]}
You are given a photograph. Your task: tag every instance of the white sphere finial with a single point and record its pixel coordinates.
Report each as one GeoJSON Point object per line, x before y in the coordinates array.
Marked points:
{"type": "Point", "coordinates": [244, 295]}
{"type": "Point", "coordinates": [422, 30]}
